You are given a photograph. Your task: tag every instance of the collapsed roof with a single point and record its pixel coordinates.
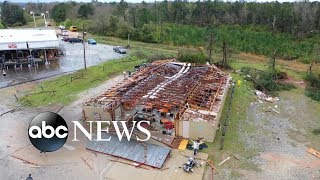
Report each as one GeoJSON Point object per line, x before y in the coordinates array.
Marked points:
{"type": "Point", "coordinates": [191, 91]}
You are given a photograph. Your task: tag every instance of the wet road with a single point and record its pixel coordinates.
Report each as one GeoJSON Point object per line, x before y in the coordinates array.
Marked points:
{"type": "Point", "coordinates": [71, 61]}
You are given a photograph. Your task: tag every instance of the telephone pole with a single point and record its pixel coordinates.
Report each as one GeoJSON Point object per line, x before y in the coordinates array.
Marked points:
{"type": "Point", "coordinates": [84, 47]}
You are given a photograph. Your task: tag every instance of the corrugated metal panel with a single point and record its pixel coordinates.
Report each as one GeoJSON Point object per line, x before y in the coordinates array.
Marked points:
{"type": "Point", "coordinates": [131, 150]}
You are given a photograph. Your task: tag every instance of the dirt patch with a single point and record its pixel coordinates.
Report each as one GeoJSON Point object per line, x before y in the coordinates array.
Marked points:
{"type": "Point", "coordinates": [280, 139]}
{"type": "Point", "coordinates": [294, 65]}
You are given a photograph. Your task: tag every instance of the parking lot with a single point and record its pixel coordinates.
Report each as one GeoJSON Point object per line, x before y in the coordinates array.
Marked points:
{"type": "Point", "coordinates": [71, 60]}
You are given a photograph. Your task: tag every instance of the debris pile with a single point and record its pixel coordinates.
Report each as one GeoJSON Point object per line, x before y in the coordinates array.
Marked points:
{"type": "Point", "coordinates": [264, 96]}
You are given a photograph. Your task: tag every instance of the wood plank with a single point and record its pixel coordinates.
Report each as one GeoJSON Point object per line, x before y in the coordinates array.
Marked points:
{"type": "Point", "coordinates": [183, 144]}
{"type": "Point", "coordinates": [314, 152]}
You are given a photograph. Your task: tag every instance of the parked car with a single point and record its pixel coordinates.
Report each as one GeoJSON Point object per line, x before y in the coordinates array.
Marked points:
{"type": "Point", "coordinates": [62, 27]}
{"type": "Point", "coordinates": [65, 39]}
{"type": "Point", "coordinates": [75, 40]}
{"type": "Point", "coordinates": [73, 28]}
{"type": "Point", "coordinates": [92, 41]}
{"type": "Point", "coordinates": [120, 49]}
{"type": "Point", "coordinates": [64, 32]}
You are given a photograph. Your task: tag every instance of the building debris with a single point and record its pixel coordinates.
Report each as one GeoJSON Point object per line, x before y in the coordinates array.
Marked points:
{"type": "Point", "coordinates": [147, 154]}
{"type": "Point", "coordinates": [86, 163]}
{"type": "Point", "coordinates": [179, 99]}
{"type": "Point", "coordinates": [131, 164]}
{"type": "Point", "coordinates": [212, 166]}
{"type": "Point", "coordinates": [314, 152]}
{"type": "Point", "coordinates": [225, 160]}
{"type": "Point", "coordinates": [183, 144]}
{"type": "Point", "coordinates": [263, 96]}
{"type": "Point", "coordinates": [24, 161]}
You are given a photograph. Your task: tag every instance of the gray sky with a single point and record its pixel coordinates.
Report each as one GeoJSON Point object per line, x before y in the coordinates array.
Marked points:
{"type": "Point", "coordinates": [135, 1]}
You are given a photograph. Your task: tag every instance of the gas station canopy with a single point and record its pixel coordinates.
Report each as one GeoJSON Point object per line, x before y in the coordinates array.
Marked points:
{"type": "Point", "coordinates": [23, 39]}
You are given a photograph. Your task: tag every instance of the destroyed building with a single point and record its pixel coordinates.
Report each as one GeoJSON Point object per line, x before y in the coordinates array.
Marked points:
{"type": "Point", "coordinates": [179, 99]}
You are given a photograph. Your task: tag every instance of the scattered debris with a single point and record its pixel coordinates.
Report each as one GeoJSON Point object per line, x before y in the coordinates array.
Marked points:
{"type": "Point", "coordinates": [131, 164]}
{"type": "Point", "coordinates": [86, 163]}
{"type": "Point", "coordinates": [183, 144]}
{"type": "Point", "coordinates": [275, 111]}
{"type": "Point", "coordinates": [314, 152]}
{"type": "Point", "coordinates": [236, 157]}
{"type": "Point", "coordinates": [264, 96]}
{"type": "Point", "coordinates": [188, 167]}
{"type": "Point", "coordinates": [24, 161]}
{"type": "Point", "coordinates": [271, 109]}
{"type": "Point", "coordinates": [71, 148]}
{"type": "Point", "coordinates": [222, 162]}
{"type": "Point", "coordinates": [165, 168]}
{"type": "Point", "coordinates": [35, 166]}
{"type": "Point", "coordinates": [213, 167]}
{"type": "Point", "coordinates": [60, 109]}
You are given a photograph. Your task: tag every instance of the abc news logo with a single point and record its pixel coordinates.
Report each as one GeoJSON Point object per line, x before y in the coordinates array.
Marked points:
{"type": "Point", "coordinates": [48, 131]}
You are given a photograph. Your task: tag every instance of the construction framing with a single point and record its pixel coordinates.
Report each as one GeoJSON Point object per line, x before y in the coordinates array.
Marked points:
{"type": "Point", "coordinates": [188, 95]}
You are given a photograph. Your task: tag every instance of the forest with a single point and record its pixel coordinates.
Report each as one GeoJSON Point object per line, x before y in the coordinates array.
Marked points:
{"type": "Point", "coordinates": [289, 30]}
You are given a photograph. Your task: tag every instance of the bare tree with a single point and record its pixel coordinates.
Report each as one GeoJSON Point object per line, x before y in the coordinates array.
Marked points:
{"type": "Point", "coordinates": [226, 54]}
{"type": "Point", "coordinates": [315, 57]}
{"type": "Point", "coordinates": [305, 14]}
{"type": "Point", "coordinates": [273, 65]}
{"type": "Point", "coordinates": [244, 14]}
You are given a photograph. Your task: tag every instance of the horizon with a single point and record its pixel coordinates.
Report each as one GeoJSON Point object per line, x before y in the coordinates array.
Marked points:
{"type": "Point", "coordinates": [139, 1]}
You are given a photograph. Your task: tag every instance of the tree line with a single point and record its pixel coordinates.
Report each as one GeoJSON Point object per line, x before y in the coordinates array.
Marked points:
{"type": "Point", "coordinates": [12, 15]}
{"type": "Point", "coordinates": [300, 19]}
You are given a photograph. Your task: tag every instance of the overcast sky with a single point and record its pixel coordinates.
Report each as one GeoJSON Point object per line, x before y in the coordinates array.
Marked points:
{"type": "Point", "coordinates": [24, 1]}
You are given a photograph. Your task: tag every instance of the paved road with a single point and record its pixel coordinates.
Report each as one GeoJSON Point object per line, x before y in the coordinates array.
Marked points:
{"type": "Point", "coordinates": [71, 61]}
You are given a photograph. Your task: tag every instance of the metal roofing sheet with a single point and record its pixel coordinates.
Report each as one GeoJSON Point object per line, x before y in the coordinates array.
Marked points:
{"type": "Point", "coordinates": [131, 150]}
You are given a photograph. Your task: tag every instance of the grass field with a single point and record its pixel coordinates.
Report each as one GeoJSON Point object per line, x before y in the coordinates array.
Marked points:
{"type": "Point", "coordinates": [64, 89]}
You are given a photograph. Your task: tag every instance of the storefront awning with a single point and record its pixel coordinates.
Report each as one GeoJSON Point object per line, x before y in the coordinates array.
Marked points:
{"type": "Point", "coordinates": [13, 46]}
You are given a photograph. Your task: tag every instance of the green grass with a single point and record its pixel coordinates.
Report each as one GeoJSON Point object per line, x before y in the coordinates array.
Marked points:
{"type": "Point", "coordinates": [66, 90]}
{"type": "Point", "coordinates": [137, 45]}
{"type": "Point", "coordinates": [237, 65]}
{"type": "Point", "coordinates": [39, 23]}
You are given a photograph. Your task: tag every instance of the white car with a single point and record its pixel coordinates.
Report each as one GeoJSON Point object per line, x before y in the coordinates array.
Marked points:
{"type": "Point", "coordinates": [62, 27]}
{"type": "Point", "coordinates": [64, 33]}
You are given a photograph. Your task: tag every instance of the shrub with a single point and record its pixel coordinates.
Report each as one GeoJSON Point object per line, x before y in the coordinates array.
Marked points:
{"type": "Point", "coordinates": [192, 56]}
{"type": "Point", "coordinates": [313, 86]}
{"type": "Point", "coordinates": [263, 80]}
{"type": "Point", "coordinates": [67, 23]}
{"type": "Point", "coordinates": [159, 56]}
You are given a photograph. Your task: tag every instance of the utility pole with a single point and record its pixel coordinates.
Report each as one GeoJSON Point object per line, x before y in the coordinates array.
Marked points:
{"type": "Point", "coordinates": [128, 40]}
{"type": "Point", "coordinates": [34, 19]}
{"type": "Point", "coordinates": [44, 17]}
{"type": "Point", "coordinates": [84, 47]}
{"type": "Point", "coordinates": [47, 12]}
